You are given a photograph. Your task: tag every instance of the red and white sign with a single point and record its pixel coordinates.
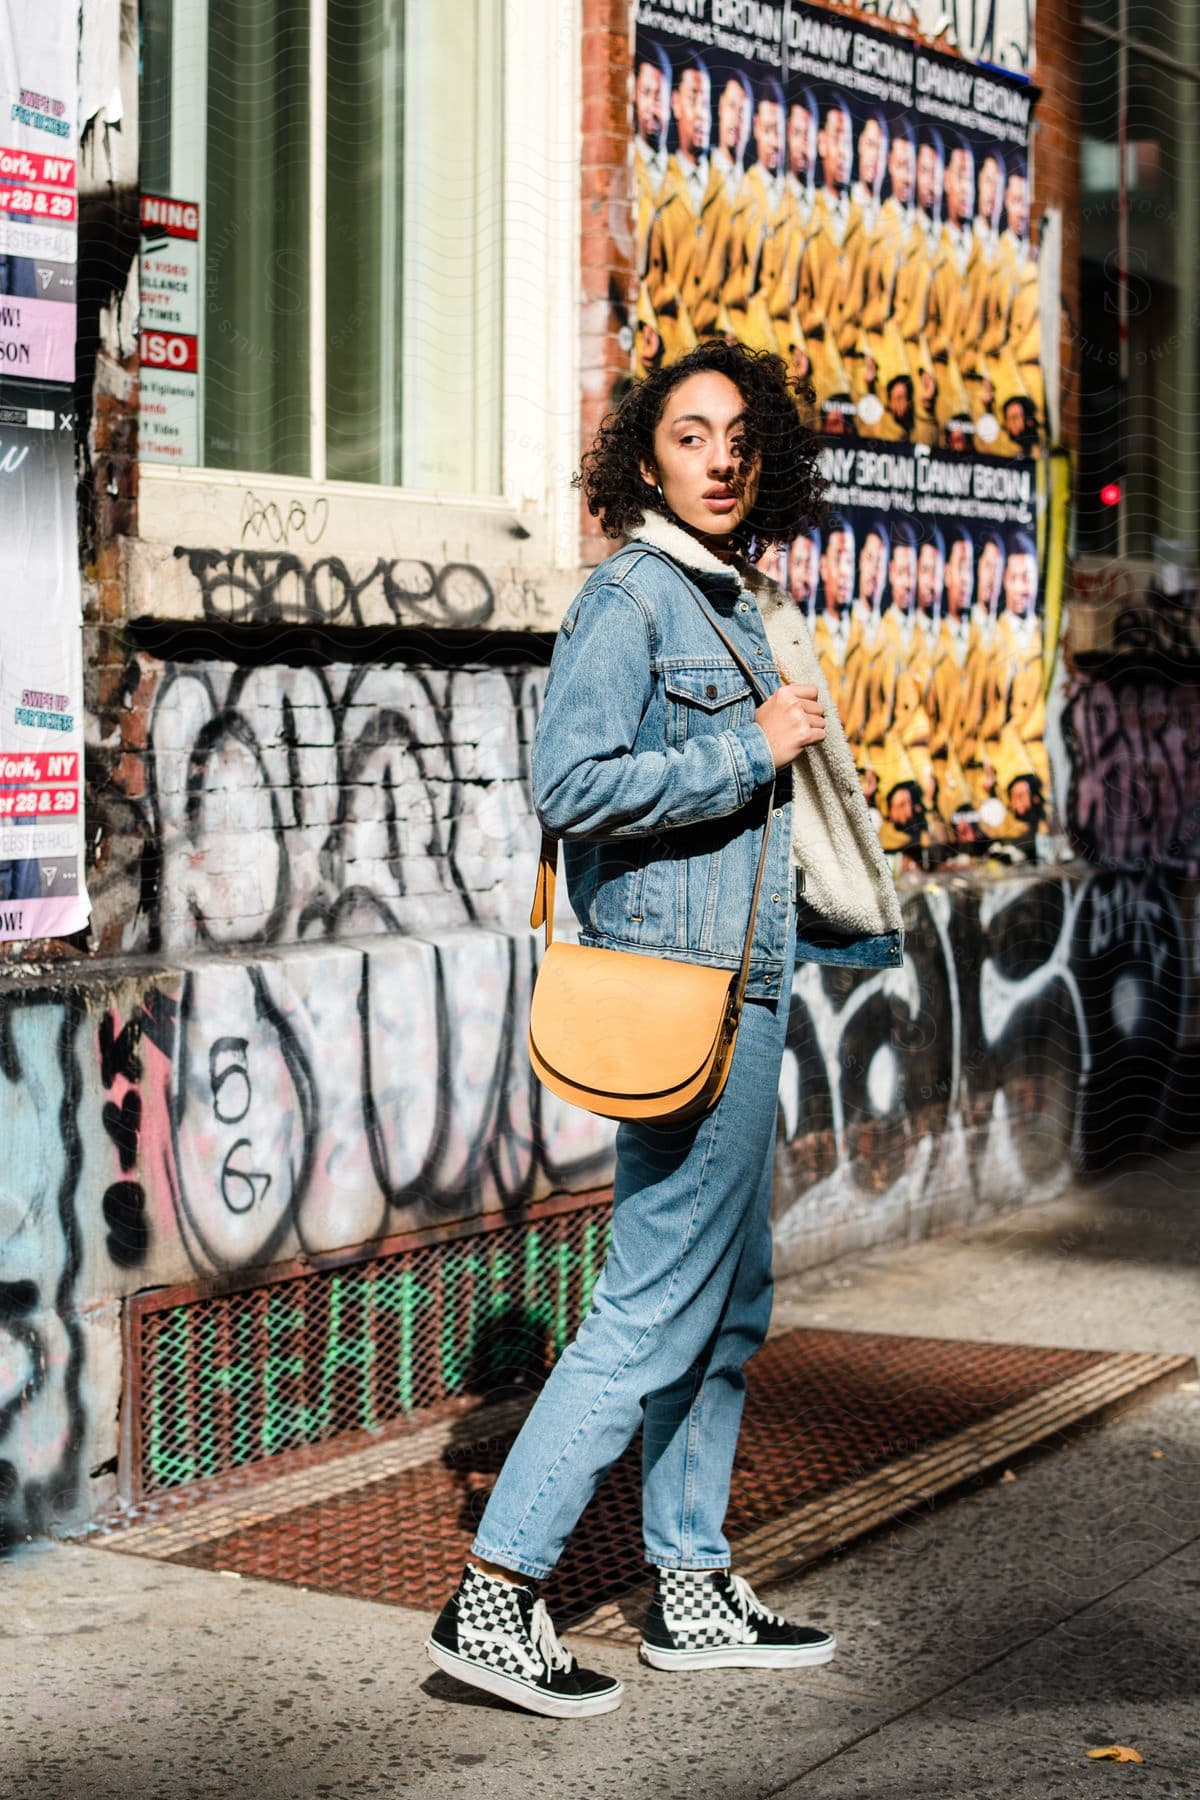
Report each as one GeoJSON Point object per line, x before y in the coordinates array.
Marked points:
{"type": "Point", "coordinates": [52, 208]}
{"type": "Point", "coordinates": [35, 168]}
{"type": "Point", "coordinates": [161, 217]}
{"type": "Point", "coordinates": [36, 803]}
{"type": "Point", "coordinates": [25, 766]}
{"type": "Point", "coordinates": [169, 350]}
{"type": "Point", "coordinates": [170, 325]}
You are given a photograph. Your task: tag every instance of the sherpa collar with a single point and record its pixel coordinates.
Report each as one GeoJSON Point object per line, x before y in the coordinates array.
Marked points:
{"type": "Point", "coordinates": [834, 841]}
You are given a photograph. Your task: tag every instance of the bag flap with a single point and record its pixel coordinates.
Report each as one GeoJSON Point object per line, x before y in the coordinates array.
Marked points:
{"type": "Point", "coordinates": [617, 1022]}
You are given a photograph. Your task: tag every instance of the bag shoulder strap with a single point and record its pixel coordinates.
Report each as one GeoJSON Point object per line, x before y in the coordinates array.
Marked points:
{"type": "Point", "coordinates": [544, 889]}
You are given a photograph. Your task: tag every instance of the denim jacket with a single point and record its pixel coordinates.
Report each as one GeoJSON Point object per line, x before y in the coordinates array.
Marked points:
{"type": "Point", "coordinates": [650, 767]}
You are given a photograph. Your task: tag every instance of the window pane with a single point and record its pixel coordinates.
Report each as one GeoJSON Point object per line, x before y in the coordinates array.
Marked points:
{"type": "Point", "coordinates": [410, 245]}
{"type": "Point", "coordinates": [413, 253]}
{"type": "Point", "coordinates": [255, 249]}
{"type": "Point", "coordinates": [1168, 25]}
{"type": "Point", "coordinates": [1142, 433]}
{"type": "Point", "coordinates": [452, 205]}
{"type": "Point", "coordinates": [1103, 11]}
{"type": "Point", "coordinates": [1172, 26]}
{"type": "Point", "coordinates": [1101, 451]}
{"type": "Point", "coordinates": [363, 239]}
{"type": "Point", "coordinates": [154, 108]}
{"type": "Point", "coordinates": [1164, 306]}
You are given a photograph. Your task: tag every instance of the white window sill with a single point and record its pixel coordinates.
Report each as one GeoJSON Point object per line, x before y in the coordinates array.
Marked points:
{"type": "Point", "coordinates": [244, 549]}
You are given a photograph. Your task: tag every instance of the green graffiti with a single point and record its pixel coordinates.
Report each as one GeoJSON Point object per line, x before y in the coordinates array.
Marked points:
{"type": "Point", "coordinates": [535, 1312]}
{"type": "Point", "coordinates": [244, 1377]}
{"type": "Point", "coordinates": [460, 1321]}
{"type": "Point", "coordinates": [170, 1431]}
{"type": "Point", "coordinates": [592, 1250]}
{"type": "Point", "coordinates": [226, 1382]}
{"type": "Point", "coordinates": [285, 1420]}
{"type": "Point", "coordinates": [401, 1295]}
{"type": "Point", "coordinates": [565, 1260]}
{"type": "Point", "coordinates": [343, 1351]}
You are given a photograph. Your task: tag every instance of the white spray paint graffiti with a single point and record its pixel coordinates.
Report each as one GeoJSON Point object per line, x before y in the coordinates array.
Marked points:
{"type": "Point", "coordinates": [287, 804]}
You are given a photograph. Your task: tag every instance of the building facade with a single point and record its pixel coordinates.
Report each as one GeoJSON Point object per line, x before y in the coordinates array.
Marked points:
{"type": "Point", "coordinates": [355, 285]}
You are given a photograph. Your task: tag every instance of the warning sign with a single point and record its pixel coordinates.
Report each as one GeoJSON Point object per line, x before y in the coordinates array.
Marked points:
{"type": "Point", "coordinates": [170, 325]}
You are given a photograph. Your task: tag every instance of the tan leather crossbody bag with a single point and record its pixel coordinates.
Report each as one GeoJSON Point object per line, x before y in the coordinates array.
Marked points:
{"type": "Point", "coordinates": [628, 1034]}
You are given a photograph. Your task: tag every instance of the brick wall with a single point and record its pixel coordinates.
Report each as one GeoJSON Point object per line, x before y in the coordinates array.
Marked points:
{"type": "Point", "coordinates": [1056, 176]}
{"type": "Point", "coordinates": [609, 278]}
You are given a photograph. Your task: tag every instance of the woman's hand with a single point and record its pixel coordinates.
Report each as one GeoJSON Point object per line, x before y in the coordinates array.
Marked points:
{"type": "Point", "coordinates": [792, 718]}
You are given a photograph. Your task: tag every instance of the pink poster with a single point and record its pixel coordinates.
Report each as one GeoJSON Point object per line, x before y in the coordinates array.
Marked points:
{"type": "Point", "coordinates": [37, 339]}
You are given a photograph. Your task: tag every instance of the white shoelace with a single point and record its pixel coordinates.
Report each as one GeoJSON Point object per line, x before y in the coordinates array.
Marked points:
{"type": "Point", "coordinates": [545, 1639]}
{"type": "Point", "coordinates": [748, 1601]}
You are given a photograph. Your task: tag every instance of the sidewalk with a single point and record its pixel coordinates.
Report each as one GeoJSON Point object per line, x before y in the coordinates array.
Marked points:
{"type": "Point", "coordinates": [983, 1644]}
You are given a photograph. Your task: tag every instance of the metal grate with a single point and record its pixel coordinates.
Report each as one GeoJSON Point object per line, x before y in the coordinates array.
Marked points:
{"type": "Point", "coordinates": [823, 1410]}
{"type": "Point", "coordinates": [222, 1380]}
{"type": "Point", "coordinates": [843, 1430]}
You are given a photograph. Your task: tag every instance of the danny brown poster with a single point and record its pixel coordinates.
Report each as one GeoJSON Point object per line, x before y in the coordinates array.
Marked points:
{"type": "Point", "coordinates": [859, 205]}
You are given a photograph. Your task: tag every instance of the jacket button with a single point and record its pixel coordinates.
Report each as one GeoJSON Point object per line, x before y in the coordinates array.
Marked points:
{"type": "Point", "coordinates": [710, 692]}
{"type": "Point", "coordinates": [775, 898]}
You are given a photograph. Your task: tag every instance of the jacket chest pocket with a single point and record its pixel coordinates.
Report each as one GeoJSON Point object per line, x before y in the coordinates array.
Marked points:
{"type": "Point", "coordinates": [703, 698]}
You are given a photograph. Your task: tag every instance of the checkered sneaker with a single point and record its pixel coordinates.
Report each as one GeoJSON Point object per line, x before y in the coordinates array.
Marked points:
{"type": "Point", "coordinates": [491, 1629]}
{"type": "Point", "coordinates": [696, 1612]}
{"type": "Point", "coordinates": [707, 1618]}
{"type": "Point", "coordinates": [495, 1635]}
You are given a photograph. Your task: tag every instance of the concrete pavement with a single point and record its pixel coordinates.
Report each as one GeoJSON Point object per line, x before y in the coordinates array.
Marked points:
{"type": "Point", "coordinates": [984, 1644]}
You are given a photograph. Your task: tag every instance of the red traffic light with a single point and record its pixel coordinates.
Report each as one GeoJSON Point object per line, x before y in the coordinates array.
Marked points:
{"type": "Point", "coordinates": [1110, 494]}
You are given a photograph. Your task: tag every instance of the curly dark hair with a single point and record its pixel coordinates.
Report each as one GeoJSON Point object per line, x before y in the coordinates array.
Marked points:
{"type": "Point", "coordinates": [778, 410]}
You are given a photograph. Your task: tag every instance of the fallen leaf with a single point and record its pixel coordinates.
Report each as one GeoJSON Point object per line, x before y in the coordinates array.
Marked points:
{"type": "Point", "coordinates": [1115, 1753]}
{"type": "Point", "coordinates": [1008, 1475]}
{"type": "Point", "coordinates": [1157, 1455]}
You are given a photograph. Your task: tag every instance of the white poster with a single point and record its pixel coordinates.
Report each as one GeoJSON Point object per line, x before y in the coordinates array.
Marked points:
{"type": "Point", "coordinates": [987, 31]}
{"type": "Point", "coordinates": [41, 679]}
{"type": "Point", "coordinates": [168, 425]}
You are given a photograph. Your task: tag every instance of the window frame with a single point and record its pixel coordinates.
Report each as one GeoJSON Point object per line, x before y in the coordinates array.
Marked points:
{"type": "Point", "coordinates": [534, 518]}
{"type": "Point", "coordinates": [1126, 45]}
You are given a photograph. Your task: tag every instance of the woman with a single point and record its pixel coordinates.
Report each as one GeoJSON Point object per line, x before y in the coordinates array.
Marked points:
{"type": "Point", "coordinates": [658, 770]}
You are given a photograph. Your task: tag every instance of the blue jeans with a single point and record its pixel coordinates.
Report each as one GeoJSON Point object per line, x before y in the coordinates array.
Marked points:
{"type": "Point", "coordinates": [682, 1302]}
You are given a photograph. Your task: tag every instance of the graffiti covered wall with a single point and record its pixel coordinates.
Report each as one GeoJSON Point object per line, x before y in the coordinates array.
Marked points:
{"type": "Point", "coordinates": [226, 1114]}
{"type": "Point", "coordinates": [312, 1033]}
{"type": "Point", "coordinates": [274, 804]}
{"type": "Point", "coordinates": [1134, 746]}
{"type": "Point", "coordinates": [1130, 720]}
